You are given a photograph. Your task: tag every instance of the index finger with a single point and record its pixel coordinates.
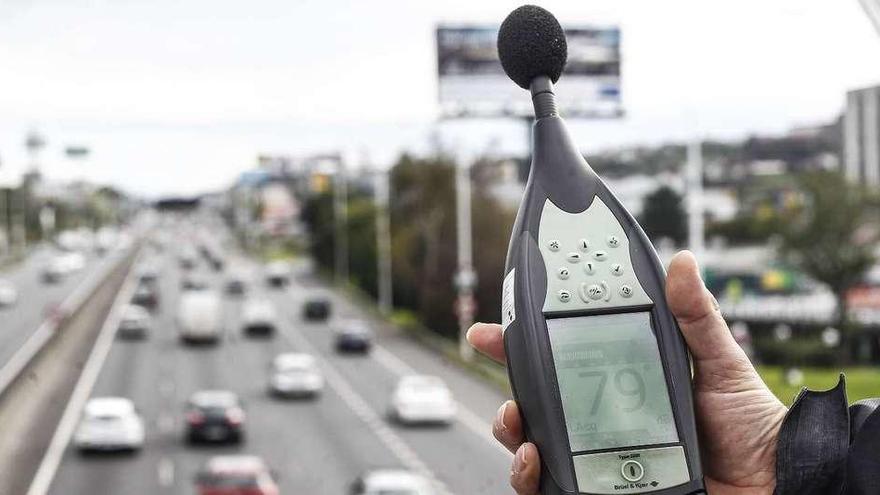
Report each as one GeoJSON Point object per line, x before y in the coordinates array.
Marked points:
{"type": "Point", "coordinates": [487, 338]}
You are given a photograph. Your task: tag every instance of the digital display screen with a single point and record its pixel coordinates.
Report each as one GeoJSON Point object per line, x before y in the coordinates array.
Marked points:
{"type": "Point", "coordinates": [611, 380]}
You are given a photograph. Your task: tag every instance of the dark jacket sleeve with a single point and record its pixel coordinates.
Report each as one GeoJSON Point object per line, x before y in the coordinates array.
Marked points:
{"type": "Point", "coordinates": [827, 448]}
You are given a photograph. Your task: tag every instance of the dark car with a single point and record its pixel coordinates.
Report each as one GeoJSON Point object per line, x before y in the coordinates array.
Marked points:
{"type": "Point", "coordinates": [147, 296]}
{"type": "Point", "coordinates": [214, 416]}
{"type": "Point", "coordinates": [353, 336]}
{"type": "Point", "coordinates": [192, 281]}
{"type": "Point", "coordinates": [316, 310]}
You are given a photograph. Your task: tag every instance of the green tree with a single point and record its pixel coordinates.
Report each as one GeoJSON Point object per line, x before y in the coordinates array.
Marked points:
{"type": "Point", "coordinates": [664, 216]}
{"type": "Point", "coordinates": [832, 235]}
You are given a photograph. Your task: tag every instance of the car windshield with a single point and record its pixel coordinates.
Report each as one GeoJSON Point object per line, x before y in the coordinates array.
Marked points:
{"type": "Point", "coordinates": [338, 246]}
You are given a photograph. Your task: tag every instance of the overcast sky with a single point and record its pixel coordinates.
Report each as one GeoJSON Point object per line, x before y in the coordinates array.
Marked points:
{"type": "Point", "coordinates": [180, 96]}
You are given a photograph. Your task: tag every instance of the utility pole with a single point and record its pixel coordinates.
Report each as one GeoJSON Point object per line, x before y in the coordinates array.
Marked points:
{"type": "Point", "coordinates": [382, 191]}
{"type": "Point", "coordinates": [694, 190]}
{"type": "Point", "coordinates": [465, 278]}
{"type": "Point", "coordinates": [340, 215]}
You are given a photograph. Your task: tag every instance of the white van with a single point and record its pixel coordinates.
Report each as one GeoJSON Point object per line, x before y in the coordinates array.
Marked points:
{"type": "Point", "coordinates": [199, 316]}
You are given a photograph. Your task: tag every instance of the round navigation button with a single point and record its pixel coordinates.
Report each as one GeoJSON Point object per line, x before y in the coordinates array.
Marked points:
{"type": "Point", "coordinates": [564, 295]}
{"type": "Point", "coordinates": [573, 257]}
{"type": "Point", "coordinates": [626, 291]}
{"type": "Point", "coordinates": [617, 269]}
{"type": "Point", "coordinates": [553, 245]}
{"type": "Point", "coordinates": [613, 241]}
{"type": "Point", "coordinates": [584, 245]}
{"type": "Point", "coordinates": [563, 273]}
{"type": "Point", "coordinates": [595, 292]}
{"type": "Point", "coordinates": [632, 471]}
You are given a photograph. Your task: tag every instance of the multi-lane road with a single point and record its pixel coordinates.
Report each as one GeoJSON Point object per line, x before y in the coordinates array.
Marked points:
{"type": "Point", "coordinates": [36, 298]}
{"type": "Point", "coordinates": [317, 446]}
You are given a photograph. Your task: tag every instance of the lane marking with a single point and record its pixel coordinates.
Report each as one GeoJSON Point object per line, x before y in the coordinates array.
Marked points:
{"type": "Point", "coordinates": [64, 431]}
{"type": "Point", "coordinates": [165, 472]}
{"type": "Point", "coordinates": [467, 417]}
{"type": "Point", "coordinates": [362, 410]}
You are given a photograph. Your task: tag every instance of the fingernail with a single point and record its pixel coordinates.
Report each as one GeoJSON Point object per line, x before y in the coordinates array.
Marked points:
{"type": "Point", "coordinates": [467, 335]}
{"type": "Point", "coordinates": [499, 417]}
{"type": "Point", "coordinates": [520, 462]}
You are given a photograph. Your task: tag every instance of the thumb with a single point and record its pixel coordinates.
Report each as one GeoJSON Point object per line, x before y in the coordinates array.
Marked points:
{"type": "Point", "coordinates": [697, 311]}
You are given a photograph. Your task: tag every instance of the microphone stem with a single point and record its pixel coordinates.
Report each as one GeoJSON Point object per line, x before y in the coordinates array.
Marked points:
{"type": "Point", "coordinates": [543, 98]}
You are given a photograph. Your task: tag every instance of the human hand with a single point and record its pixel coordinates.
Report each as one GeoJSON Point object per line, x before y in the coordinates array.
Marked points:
{"type": "Point", "coordinates": [737, 415]}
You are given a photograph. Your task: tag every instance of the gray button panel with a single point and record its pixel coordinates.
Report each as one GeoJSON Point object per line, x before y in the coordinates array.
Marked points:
{"type": "Point", "coordinates": [631, 471]}
{"type": "Point", "coordinates": [593, 250]}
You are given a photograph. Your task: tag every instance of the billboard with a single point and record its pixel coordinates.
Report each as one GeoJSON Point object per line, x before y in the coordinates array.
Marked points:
{"type": "Point", "coordinates": [471, 82]}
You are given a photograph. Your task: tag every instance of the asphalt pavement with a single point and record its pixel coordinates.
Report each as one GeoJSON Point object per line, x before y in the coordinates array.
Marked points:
{"type": "Point", "coordinates": [317, 446]}
{"type": "Point", "coordinates": [36, 298]}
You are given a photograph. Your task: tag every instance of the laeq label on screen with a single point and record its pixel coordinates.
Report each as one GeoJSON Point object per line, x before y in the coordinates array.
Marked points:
{"type": "Point", "coordinates": [508, 311]}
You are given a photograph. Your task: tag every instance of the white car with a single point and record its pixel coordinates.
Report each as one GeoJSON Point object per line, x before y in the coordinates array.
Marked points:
{"type": "Point", "coordinates": [278, 273]}
{"type": "Point", "coordinates": [396, 481]}
{"type": "Point", "coordinates": [199, 316]}
{"type": "Point", "coordinates": [295, 374]}
{"type": "Point", "coordinates": [422, 399]}
{"type": "Point", "coordinates": [109, 423]}
{"type": "Point", "coordinates": [8, 294]}
{"type": "Point", "coordinates": [258, 316]}
{"type": "Point", "coordinates": [135, 322]}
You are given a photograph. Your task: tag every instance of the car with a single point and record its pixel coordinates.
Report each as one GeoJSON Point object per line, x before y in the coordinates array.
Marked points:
{"type": "Point", "coordinates": [109, 424]}
{"type": "Point", "coordinates": [199, 317]}
{"type": "Point", "coordinates": [316, 309]}
{"type": "Point", "coordinates": [214, 416]}
{"type": "Point", "coordinates": [236, 475]}
{"type": "Point", "coordinates": [295, 375]}
{"type": "Point", "coordinates": [191, 281]}
{"type": "Point", "coordinates": [146, 296]}
{"type": "Point", "coordinates": [278, 273]}
{"type": "Point", "coordinates": [353, 336]}
{"type": "Point", "coordinates": [8, 294]}
{"type": "Point", "coordinates": [134, 322]}
{"type": "Point", "coordinates": [148, 273]}
{"type": "Point", "coordinates": [391, 481]}
{"type": "Point", "coordinates": [258, 316]}
{"type": "Point", "coordinates": [422, 399]}
{"type": "Point", "coordinates": [55, 270]}
{"type": "Point", "coordinates": [236, 284]}
{"type": "Point", "coordinates": [188, 258]}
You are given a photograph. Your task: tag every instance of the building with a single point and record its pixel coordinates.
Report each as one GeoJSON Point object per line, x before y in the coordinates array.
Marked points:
{"type": "Point", "coordinates": [861, 136]}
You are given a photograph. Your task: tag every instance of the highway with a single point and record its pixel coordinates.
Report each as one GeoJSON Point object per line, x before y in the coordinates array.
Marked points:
{"type": "Point", "coordinates": [36, 298]}
{"type": "Point", "coordinates": [317, 446]}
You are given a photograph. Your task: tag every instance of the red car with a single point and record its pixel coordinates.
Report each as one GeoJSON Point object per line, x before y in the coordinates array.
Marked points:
{"type": "Point", "coordinates": [236, 475]}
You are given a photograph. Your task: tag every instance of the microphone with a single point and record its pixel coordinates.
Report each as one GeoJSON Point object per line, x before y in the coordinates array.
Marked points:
{"type": "Point", "coordinates": [596, 361]}
{"type": "Point", "coordinates": [533, 52]}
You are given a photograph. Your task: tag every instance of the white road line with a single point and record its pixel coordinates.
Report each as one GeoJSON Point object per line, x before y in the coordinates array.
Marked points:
{"type": "Point", "coordinates": [362, 410]}
{"type": "Point", "coordinates": [470, 419]}
{"type": "Point", "coordinates": [52, 459]}
{"type": "Point", "coordinates": [165, 472]}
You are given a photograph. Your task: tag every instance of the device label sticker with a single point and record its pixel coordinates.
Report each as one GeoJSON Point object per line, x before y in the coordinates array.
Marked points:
{"type": "Point", "coordinates": [508, 312]}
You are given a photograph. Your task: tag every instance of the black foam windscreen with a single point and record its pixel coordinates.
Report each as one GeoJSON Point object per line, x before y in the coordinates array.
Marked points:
{"type": "Point", "coordinates": [531, 43]}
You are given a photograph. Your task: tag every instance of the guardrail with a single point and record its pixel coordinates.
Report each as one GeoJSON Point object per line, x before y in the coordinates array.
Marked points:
{"type": "Point", "coordinates": [50, 327]}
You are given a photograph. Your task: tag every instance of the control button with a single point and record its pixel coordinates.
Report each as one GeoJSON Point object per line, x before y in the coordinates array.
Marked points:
{"type": "Point", "coordinates": [564, 295]}
{"type": "Point", "coordinates": [605, 289]}
{"type": "Point", "coordinates": [573, 257]}
{"type": "Point", "coordinates": [617, 269]}
{"type": "Point", "coordinates": [600, 255]}
{"type": "Point", "coordinates": [553, 245]}
{"type": "Point", "coordinates": [589, 268]}
{"type": "Point", "coordinates": [595, 292]}
{"type": "Point", "coordinates": [582, 292]}
{"type": "Point", "coordinates": [584, 245]}
{"type": "Point", "coordinates": [632, 471]}
{"type": "Point", "coordinates": [613, 241]}
{"type": "Point", "coordinates": [626, 291]}
{"type": "Point", "coordinates": [563, 273]}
